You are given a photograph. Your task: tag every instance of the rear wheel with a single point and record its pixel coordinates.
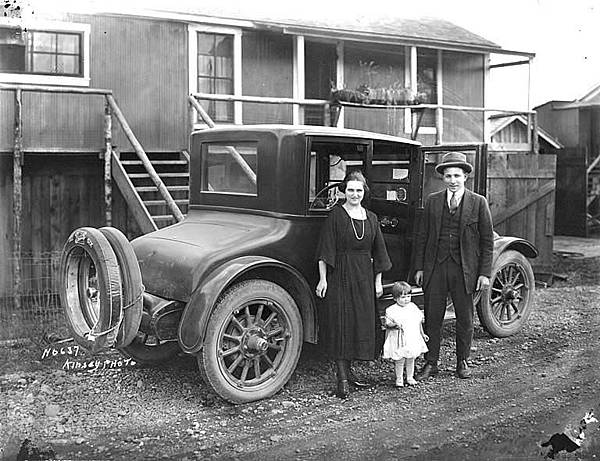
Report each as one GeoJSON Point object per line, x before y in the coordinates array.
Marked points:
{"type": "Point", "coordinates": [509, 302]}
{"type": "Point", "coordinates": [253, 342]}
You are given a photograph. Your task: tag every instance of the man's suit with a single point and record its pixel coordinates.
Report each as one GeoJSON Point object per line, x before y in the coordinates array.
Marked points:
{"type": "Point", "coordinates": [451, 264]}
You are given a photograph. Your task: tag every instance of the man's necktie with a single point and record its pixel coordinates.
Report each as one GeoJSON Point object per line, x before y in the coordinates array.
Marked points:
{"type": "Point", "coordinates": [453, 203]}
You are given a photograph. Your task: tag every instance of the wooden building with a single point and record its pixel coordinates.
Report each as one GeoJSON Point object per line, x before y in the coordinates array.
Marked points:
{"type": "Point", "coordinates": [61, 72]}
{"type": "Point", "coordinates": [576, 124]}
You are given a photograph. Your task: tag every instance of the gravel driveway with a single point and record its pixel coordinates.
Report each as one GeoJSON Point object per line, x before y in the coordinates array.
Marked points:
{"type": "Point", "coordinates": [524, 389]}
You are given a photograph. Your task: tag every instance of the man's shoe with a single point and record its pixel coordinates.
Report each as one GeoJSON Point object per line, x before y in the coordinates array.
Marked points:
{"type": "Point", "coordinates": [343, 390]}
{"type": "Point", "coordinates": [428, 371]}
{"type": "Point", "coordinates": [462, 370]}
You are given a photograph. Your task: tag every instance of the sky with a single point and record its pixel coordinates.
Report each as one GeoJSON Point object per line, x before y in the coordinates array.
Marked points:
{"type": "Point", "coordinates": [564, 35]}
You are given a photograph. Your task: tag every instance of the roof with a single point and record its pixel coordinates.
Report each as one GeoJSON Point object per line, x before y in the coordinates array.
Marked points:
{"type": "Point", "coordinates": [590, 98]}
{"type": "Point", "coordinates": [497, 124]}
{"type": "Point", "coordinates": [311, 130]}
{"type": "Point", "coordinates": [395, 28]}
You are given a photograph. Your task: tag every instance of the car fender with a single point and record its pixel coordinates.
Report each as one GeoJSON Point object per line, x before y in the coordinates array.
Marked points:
{"type": "Point", "coordinates": [504, 243]}
{"type": "Point", "coordinates": [194, 321]}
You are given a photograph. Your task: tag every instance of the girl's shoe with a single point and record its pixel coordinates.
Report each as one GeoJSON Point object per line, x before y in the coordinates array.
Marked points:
{"type": "Point", "coordinates": [399, 384]}
{"type": "Point", "coordinates": [411, 381]}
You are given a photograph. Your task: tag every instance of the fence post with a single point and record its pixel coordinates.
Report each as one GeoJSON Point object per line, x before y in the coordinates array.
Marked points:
{"type": "Point", "coordinates": [17, 195]}
{"type": "Point", "coordinates": [107, 163]}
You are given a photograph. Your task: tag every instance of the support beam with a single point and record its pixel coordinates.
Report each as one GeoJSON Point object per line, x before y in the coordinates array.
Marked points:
{"type": "Point", "coordinates": [107, 164]}
{"type": "Point", "coordinates": [17, 195]}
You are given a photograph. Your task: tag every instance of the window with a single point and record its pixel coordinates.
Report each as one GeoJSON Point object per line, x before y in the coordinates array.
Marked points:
{"type": "Point", "coordinates": [215, 73]}
{"type": "Point", "coordinates": [427, 84]}
{"type": "Point", "coordinates": [215, 62]}
{"type": "Point", "coordinates": [53, 53]}
{"type": "Point", "coordinates": [230, 168]}
{"type": "Point", "coordinates": [329, 163]}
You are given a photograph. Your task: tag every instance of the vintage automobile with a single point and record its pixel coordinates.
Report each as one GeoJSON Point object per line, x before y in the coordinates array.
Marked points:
{"type": "Point", "coordinates": [233, 283]}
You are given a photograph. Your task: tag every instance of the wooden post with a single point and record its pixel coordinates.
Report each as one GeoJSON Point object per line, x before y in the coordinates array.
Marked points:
{"type": "Point", "coordinates": [107, 164]}
{"type": "Point", "coordinates": [17, 195]}
{"type": "Point", "coordinates": [326, 114]}
{"type": "Point", "coordinates": [535, 142]}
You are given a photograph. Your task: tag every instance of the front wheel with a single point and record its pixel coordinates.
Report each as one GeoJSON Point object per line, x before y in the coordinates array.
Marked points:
{"type": "Point", "coordinates": [253, 342]}
{"type": "Point", "coordinates": [509, 302]}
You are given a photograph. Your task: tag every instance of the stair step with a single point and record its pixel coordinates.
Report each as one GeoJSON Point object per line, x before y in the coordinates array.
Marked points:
{"type": "Point", "coordinates": [162, 175]}
{"type": "Point", "coordinates": [154, 188]}
{"type": "Point", "coordinates": [162, 202]}
{"type": "Point", "coordinates": [124, 156]}
{"type": "Point", "coordinates": [155, 162]}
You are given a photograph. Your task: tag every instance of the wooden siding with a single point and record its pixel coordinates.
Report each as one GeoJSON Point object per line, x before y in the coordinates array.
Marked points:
{"type": "Point", "coordinates": [267, 70]}
{"type": "Point", "coordinates": [521, 196]}
{"type": "Point", "coordinates": [562, 124]}
{"type": "Point", "coordinates": [462, 76]}
{"type": "Point", "coordinates": [7, 122]}
{"type": "Point", "coordinates": [143, 61]}
{"type": "Point", "coordinates": [6, 213]}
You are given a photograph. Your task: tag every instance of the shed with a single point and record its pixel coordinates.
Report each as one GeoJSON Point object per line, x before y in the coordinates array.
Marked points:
{"type": "Point", "coordinates": [576, 125]}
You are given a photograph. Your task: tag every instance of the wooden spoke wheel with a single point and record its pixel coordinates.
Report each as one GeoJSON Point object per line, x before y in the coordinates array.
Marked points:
{"type": "Point", "coordinates": [253, 342]}
{"type": "Point", "coordinates": [509, 301]}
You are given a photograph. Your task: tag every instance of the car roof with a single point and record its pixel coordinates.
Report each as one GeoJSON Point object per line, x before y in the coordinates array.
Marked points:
{"type": "Point", "coordinates": [310, 130]}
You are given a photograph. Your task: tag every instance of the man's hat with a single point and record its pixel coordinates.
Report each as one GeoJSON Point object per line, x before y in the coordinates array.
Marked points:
{"type": "Point", "coordinates": [454, 159]}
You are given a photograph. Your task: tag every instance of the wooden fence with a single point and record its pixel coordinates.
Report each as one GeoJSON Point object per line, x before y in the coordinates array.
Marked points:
{"type": "Point", "coordinates": [521, 192]}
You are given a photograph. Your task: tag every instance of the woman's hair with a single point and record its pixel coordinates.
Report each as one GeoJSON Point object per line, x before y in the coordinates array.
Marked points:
{"type": "Point", "coordinates": [400, 289]}
{"type": "Point", "coordinates": [354, 175]}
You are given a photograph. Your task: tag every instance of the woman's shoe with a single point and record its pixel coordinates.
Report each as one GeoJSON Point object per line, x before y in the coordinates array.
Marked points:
{"type": "Point", "coordinates": [343, 389]}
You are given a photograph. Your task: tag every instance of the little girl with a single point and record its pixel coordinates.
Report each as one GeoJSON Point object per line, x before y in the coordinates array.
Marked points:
{"type": "Point", "coordinates": [404, 337]}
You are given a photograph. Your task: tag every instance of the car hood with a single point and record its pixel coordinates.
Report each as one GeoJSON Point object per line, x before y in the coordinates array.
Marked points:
{"type": "Point", "coordinates": [174, 259]}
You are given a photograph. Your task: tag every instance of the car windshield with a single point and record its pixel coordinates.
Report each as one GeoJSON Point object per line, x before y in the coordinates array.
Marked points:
{"type": "Point", "coordinates": [230, 168]}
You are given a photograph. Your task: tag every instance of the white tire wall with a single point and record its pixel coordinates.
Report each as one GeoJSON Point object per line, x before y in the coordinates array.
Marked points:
{"type": "Point", "coordinates": [133, 288]}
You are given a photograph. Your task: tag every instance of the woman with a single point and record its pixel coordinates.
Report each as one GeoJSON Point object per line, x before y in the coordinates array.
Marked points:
{"type": "Point", "coordinates": [351, 258]}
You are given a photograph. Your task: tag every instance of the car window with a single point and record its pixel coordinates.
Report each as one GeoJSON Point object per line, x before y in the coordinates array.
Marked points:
{"type": "Point", "coordinates": [229, 168]}
{"type": "Point", "coordinates": [390, 172]}
{"type": "Point", "coordinates": [329, 164]}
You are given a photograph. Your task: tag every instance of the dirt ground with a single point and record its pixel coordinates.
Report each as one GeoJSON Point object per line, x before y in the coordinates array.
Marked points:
{"type": "Point", "coordinates": [525, 388]}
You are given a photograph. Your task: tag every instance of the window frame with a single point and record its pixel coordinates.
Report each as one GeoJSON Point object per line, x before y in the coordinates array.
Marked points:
{"type": "Point", "coordinates": [193, 31]}
{"type": "Point", "coordinates": [48, 27]}
{"type": "Point", "coordinates": [411, 76]}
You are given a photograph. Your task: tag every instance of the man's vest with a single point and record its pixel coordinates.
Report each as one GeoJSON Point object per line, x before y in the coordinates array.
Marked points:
{"type": "Point", "coordinates": [449, 243]}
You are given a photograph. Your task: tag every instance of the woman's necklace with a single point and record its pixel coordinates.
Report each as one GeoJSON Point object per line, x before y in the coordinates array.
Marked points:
{"type": "Point", "coordinates": [354, 227]}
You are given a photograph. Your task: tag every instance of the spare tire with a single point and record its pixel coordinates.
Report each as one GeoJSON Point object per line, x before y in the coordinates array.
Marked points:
{"type": "Point", "coordinates": [133, 289]}
{"type": "Point", "coordinates": [91, 289]}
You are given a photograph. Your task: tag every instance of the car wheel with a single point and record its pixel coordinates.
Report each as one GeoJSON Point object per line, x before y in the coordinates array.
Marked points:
{"type": "Point", "coordinates": [253, 342]}
{"type": "Point", "coordinates": [148, 350]}
{"type": "Point", "coordinates": [132, 285]}
{"type": "Point", "coordinates": [90, 289]}
{"type": "Point", "coordinates": [509, 301]}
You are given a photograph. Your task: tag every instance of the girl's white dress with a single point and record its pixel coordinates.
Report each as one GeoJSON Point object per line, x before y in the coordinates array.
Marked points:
{"type": "Point", "coordinates": [406, 342]}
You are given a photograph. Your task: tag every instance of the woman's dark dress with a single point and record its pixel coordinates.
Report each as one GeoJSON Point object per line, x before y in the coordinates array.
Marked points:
{"type": "Point", "coordinates": [349, 315]}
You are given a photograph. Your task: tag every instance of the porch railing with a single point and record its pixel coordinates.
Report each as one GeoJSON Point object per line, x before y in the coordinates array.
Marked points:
{"type": "Point", "coordinates": [332, 111]}
{"type": "Point", "coordinates": [111, 108]}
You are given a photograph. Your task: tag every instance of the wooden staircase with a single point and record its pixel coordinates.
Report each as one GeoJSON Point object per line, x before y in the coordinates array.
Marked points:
{"type": "Point", "coordinates": [142, 194]}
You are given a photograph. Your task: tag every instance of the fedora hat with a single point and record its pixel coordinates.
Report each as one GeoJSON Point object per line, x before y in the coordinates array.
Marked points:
{"type": "Point", "coordinates": [454, 159]}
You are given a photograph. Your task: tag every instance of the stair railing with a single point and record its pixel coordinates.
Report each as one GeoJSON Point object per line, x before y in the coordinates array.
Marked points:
{"type": "Point", "coordinates": [139, 150]}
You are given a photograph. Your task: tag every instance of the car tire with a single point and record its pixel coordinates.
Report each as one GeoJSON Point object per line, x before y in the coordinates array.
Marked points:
{"type": "Point", "coordinates": [90, 289]}
{"type": "Point", "coordinates": [133, 289]}
{"type": "Point", "coordinates": [147, 351]}
{"type": "Point", "coordinates": [505, 308]}
{"type": "Point", "coordinates": [253, 342]}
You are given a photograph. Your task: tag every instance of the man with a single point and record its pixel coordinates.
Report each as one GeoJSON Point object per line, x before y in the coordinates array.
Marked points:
{"type": "Point", "coordinates": [453, 256]}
